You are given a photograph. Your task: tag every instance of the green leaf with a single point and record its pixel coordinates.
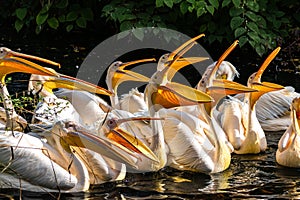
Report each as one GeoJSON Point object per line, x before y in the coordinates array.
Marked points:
{"type": "Point", "coordinates": [236, 3]}
{"type": "Point", "coordinates": [127, 17]}
{"type": "Point", "coordinates": [122, 34]}
{"type": "Point", "coordinates": [260, 50]}
{"type": "Point", "coordinates": [138, 33]}
{"type": "Point", "coordinates": [243, 40]}
{"type": "Point", "coordinates": [18, 25]}
{"type": "Point", "coordinates": [21, 13]}
{"type": "Point", "coordinates": [190, 8]}
{"type": "Point", "coordinates": [169, 3]}
{"type": "Point", "coordinates": [200, 11]}
{"type": "Point", "coordinates": [176, 1]}
{"type": "Point", "coordinates": [210, 9]}
{"type": "Point", "coordinates": [62, 18]}
{"type": "Point", "coordinates": [261, 22]}
{"type": "Point", "coordinates": [252, 26]}
{"type": "Point", "coordinates": [252, 5]}
{"type": "Point", "coordinates": [239, 31]}
{"type": "Point", "coordinates": [225, 3]}
{"type": "Point", "coordinates": [159, 3]}
{"type": "Point", "coordinates": [41, 18]}
{"type": "Point", "coordinates": [125, 25]}
{"type": "Point", "coordinates": [107, 8]}
{"type": "Point", "coordinates": [87, 14]}
{"type": "Point", "coordinates": [45, 9]}
{"type": "Point", "coordinates": [252, 43]}
{"type": "Point", "coordinates": [235, 11]}
{"type": "Point", "coordinates": [81, 22]}
{"type": "Point", "coordinates": [62, 4]}
{"type": "Point", "coordinates": [53, 22]}
{"type": "Point", "coordinates": [251, 15]}
{"type": "Point", "coordinates": [214, 3]}
{"type": "Point", "coordinates": [71, 16]}
{"type": "Point", "coordinates": [279, 13]}
{"type": "Point", "coordinates": [202, 28]}
{"type": "Point", "coordinates": [69, 27]}
{"type": "Point", "coordinates": [38, 29]}
{"type": "Point", "coordinates": [236, 22]}
{"type": "Point", "coordinates": [184, 7]}
{"type": "Point", "coordinates": [254, 36]}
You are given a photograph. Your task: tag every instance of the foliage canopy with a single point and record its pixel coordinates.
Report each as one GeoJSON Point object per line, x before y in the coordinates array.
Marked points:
{"type": "Point", "coordinates": [259, 23]}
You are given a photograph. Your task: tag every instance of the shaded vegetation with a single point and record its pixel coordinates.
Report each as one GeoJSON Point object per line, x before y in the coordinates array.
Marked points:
{"type": "Point", "coordinates": [261, 25]}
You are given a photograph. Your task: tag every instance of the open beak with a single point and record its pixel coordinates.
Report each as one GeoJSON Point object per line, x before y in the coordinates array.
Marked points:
{"type": "Point", "coordinates": [124, 139]}
{"type": "Point", "coordinates": [177, 53]}
{"type": "Point", "coordinates": [181, 63]}
{"type": "Point", "coordinates": [80, 137]}
{"type": "Point", "coordinates": [221, 88]}
{"type": "Point", "coordinates": [175, 94]}
{"type": "Point", "coordinates": [122, 75]}
{"type": "Point", "coordinates": [263, 87]}
{"type": "Point", "coordinates": [226, 87]}
{"type": "Point", "coordinates": [16, 62]}
{"type": "Point", "coordinates": [68, 82]}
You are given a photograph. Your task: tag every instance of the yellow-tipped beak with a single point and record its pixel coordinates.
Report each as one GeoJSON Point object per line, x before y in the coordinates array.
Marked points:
{"type": "Point", "coordinates": [84, 139]}
{"type": "Point", "coordinates": [181, 63]}
{"type": "Point", "coordinates": [175, 94]}
{"type": "Point", "coordinates": [122, 75]}
{"type": "Point", "coordinates": [176, 54]}
{"type": "Point", "coordinates": [121, 137]}
{"type": "Point", "coordinates": [127, 141]}
{"type": "Point", "coordinates": [14, 64]}
{"type": "Point", "coordinates": [226, 87]}
{"type": "Point", "coordinates": [266, 64]}
{"type": "Point", "coordinates": [72, 83]}
{"type": "Point", "coordinates": [224, 55]}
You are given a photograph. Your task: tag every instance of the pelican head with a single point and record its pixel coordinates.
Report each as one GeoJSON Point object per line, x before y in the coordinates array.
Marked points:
{"type": "Point", "coordinates": [116, 73]}
{"type": "Point", "coordinates": [122, 145]}
{"type": "Point", "coordinates": [174, 61]}
{"type": "Point", "coordinates": [12, 61]}
{"type": "Point", "coordinates": [254, 80]}
{"type": "Point", "coordinates": [73, 134]}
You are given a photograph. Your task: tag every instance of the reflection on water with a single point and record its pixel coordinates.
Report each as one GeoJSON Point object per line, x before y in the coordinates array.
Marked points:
{"type": "Point", "coordinates": [249, 176]}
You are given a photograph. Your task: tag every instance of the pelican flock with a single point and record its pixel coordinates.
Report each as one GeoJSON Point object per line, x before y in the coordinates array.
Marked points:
{"type": "Point", "coordinates": [77, 139]}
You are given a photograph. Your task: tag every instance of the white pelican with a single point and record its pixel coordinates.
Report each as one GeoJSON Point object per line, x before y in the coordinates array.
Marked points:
{"type": "Point", "coordinates": [10, 62]}
{"type": "Point", "coordinates": [134, 100]}
{"type": "Point", "coordinates": [194, 144]}
{"type": "Point", "coordinates": [45, 84]}
{"type": "Point", "coordinates": [272, 108]}
{"type": "Point", "coordinates": [238, 119]}
{"type": "Point", "coordinates": [116, 74]}
{"type": "Point", "coordinates": [39, 173]}
{"type": "Point", "coordinates": [288, 152]}
{"type": "Point", "coordinates": [24, 161]}
{"type": "Point", "coordinates": [46, 112]}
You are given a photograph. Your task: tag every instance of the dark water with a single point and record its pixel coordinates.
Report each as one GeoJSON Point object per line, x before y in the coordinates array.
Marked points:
{"type": "Point", "coordinates": [249, 176]}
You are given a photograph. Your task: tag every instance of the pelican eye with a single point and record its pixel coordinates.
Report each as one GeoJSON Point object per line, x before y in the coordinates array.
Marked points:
{"type": "Point", "coordinates": [112, 123]}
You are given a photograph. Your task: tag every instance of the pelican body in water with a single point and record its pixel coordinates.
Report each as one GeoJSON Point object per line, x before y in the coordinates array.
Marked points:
{"type": "Point", "coordinates": [238, 119]}
{"type": "Point", "coordinates": [288, 152]}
